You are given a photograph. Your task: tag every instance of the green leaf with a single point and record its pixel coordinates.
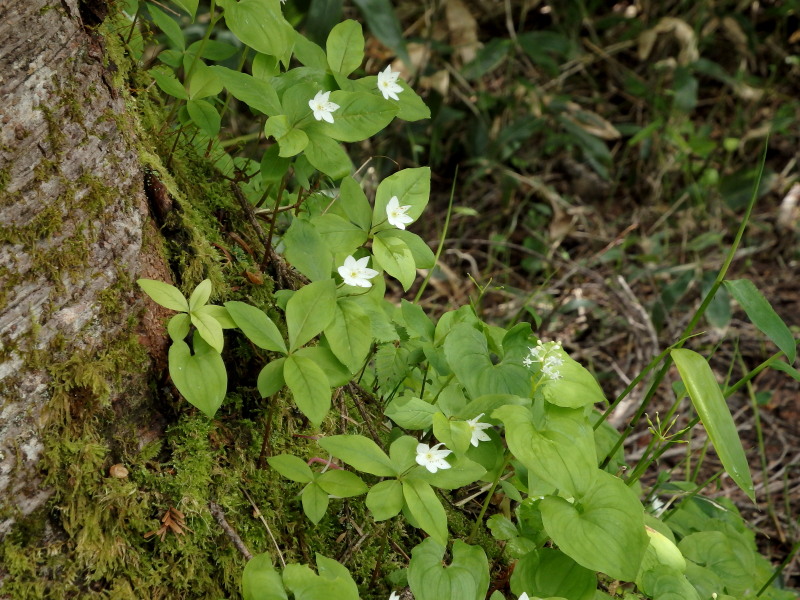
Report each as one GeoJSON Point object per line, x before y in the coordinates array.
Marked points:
{"type": "Point", "coordinates": [307, 252]}
{"type": "Point", "coordinates": [603, 530]}
{"type": "Point", "coordinates": [664, 583]}
{"type": "Point", "coordinates": [260, 25]}
{"type": "Point", "coordinates": [779, 365]}
{"type": "Point", "coordinates": [178, 327]}
{"type": "Point", "coordinates": [342, 484]}
{"type": "Point", "coordinates": [728, 557]}
{"type": "Point", "coordinates": [265, 67]}
{"type": "Point", "coordinates": [257, 326]}
{"type": "Point", "coordinates": [200, 295]}
{"type": "Point", "coordinates": [203, 82]}
{"type": "Point", "coordinates": [385, 499]}
{"type": "Point", "coordinates": [361, 453]}
{"type": "Point", "coordinates": [345, 47]}
{"type": "Point", "coordinates": [360, 115]}
{"type": "Point", "coordinates": [315, 502]}
{"type": "Point", "coordinates": [327, 155]}
{"type": "Point", "coordinates": [462, 472]}
{"type": "Point", "coordinates": [200, 378]}
{"type": "Point", "coordinates": [209, 328]}
{"type": "Point", "coordinates": [168, 25]}
{"type": "Point", "coordinates": [420, 251]}
{"type": "Point", "coordinates": [309, 311]}
{"type": "Point", "coordinates": [212, 50]}
{"type": "Point", "coordinates": [349, 334]}
{"type": "Point", "coordinates": [550, 573]}
{"type": "Point", "coordinates": [395, 258]}
{"type": "Point", "coordinates": [220, 314]}
{"type": "Point", "coordinates": [337, 374]}
{"type": "Point", "coordinates": [205, 116]}
{"type": "Point", "coordinates": [713, 410]}
{"type": "Point", "coordinates": [354, 203]}
{"type": "Point", "coordinates": [424, 506]}
{"type": "Point", "coordinates": [273, 166]}
{"type": "Point", "coordinates": [455, 434]}
{"type": "Point", "coordinates": [412, 107]}
{"type": "Point", "coordinates": [417, 322]}
{"type": "Point", "coordinates": [309, 53]}
{"type": "Point", "coordinates": [291, 467]}
{"type": "Point", "coordinates": [309, 387]}
{"type": "Point", "coordinates": [260, 580]}
{"type": "Point", "coordinates": [333, 581]}
{"type": "Point", "coordinates": [169, 84]}
{"type": "Point", "coordinates": [290, 140]}
{"type": "Point", "coordinates": [411, 413]}
{"type": "Point", "coordinates": [256, 93]}
{"type": "Point", "coordinates": [340, 234]}
{"type": "Point", "coordinates": [381, 20]}
{"type": "Point", "coordinates": [763, 316]}
{"type": "Point", "coordinates": [270, 379]}
{"type": "Point", "coordinates": [412, 188]}
{"type": "Point", "coordinates": [164, 294]}
{"type": "Point", "coordinates": [575, 388]}
{"type": "Point", "coordinates": [467, 577]}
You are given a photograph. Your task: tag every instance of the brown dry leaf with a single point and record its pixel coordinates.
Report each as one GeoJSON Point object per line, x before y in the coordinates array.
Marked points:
{"type": "Point", "coordinates": [680, 30]}
{"type": "Point", "coordinates": [591, 122]}
{"type": "Point", "coordinates": [174, 521]}
{"type": "Point", "coordinates": [463, 30]}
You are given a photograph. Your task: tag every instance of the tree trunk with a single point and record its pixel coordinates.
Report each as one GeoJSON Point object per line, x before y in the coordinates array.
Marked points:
{"type": "Point", "coordinates": [72, 216]}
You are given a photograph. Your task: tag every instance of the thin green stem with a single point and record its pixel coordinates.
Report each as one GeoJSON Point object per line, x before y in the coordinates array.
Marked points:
{"type": "Point", "coordinates": [749, 376]}
{"type": "Point", "coordinates": [485, 506]}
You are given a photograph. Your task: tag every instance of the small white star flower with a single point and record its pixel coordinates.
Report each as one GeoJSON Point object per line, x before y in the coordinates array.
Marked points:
{"type": "Point", "coordinates": [356, 273]}
{"type": "Point", "coordinates": [524, 596]}
{"type": "Point", "coordinates": [476, 427]}
{"type": "Point", "coordinates": [322, 107]}
{"type": "Point", "coordinates": [432, 458]}
{"type": "Point", "coordinates": [396, 214]}
{"type": "Point", "coordinates": [387, 83]}
{"type": "Point", "coordinates": [527, 361]}
{"type": "Point", "coordinates": [394, 596]}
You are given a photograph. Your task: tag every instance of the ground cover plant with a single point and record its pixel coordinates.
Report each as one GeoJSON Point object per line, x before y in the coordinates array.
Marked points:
{"type": "Point", "coordinates": [480, 453]}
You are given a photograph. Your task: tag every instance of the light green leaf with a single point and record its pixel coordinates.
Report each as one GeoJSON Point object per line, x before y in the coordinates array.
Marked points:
{"type": "Point", "coordinates": [327, 155]}
{"type": "Point", "coordinates": [337, 374]}
{"type": "Point", "coordinates": [164, 294]}
{"type": "Point", "coordinates": [257, 326]}
{"type": "Point", "coordinates": [333, 581]}
{"type": "Point", "coordinates": [360, 115]}
{"type": "Point", "coordinates": [340, 234]}
{"type": "Point", "coordinates": [315, 502]}
{"type": "Point", "coordinates": [417, 322]}
{"type": "Point", "coordinates": [265, 67]}
{"type": "Point", "coordinates": [270, 379]}
{"type": "Point", "coordinates": [205, 116]}
{"type": "Point", "coordinates": [462, 472]}
{"type": "Point", "coordinates": [575, 388]}
{"type": "Point", "coordinates": [290, 140]}
{"type": "Point", "coordinates": [664, 583]}
{"type": "Point", "coordinates": [412, 188]}
{"type": "Point", "coordinates": [728, 557]}
{"type": "Point", "coordinates": [291, 467]}
{"type": "Point", "coordinates": [603, 530]}
{"type": "Point", "coordinates": [345, 47]}
{"type": "Point", "coordinates": [220, 314]}
{"type": "Point", "coordinates": [412, 107]}
{"type": "Point", "coordinates": [455, 434]}
{"type": "Point", "coordinates": [200, 295]}
{"type": "Point", "coordinates": [309, 387]}
{"type": "Point", "coordinates": [354, 202]}
{"type": "Point", "coordinates": [211, 50]}
{"type": "Point", "coordinates": [203, 82]}
{"type": "Point", "coordinates": [209, 328]}
{"type": "Point", "coordinates": [168, 25]}
{"type": "Point", "coordinates": [309, 311]}
{"type": "Point", "coordinates": [169, 84]}
{"type": "Point", "coordinates": [411, 413]}
{"type": "Point", "coordinates": [341, 484]}
{"type": "Point", "coordinates": [200, 378]}
{"type": "Point", "coordinates": [349, 334]}
{"type": "Point", "coordinates": [395, 258]}
{"type": "Point", "coordinates": [260, 580]}
{"type": "Point", "coordinates": [467, 577]}
{"type": "Point", "coordinates": [260, 25]}
{"type": "Point", "coordinates": [178, 327]}
{"type": "Point", "coordinates": [309, 53]}
{"type": "Point", "coordinates": [420, 251]}
{"type": "Point", "coordinates": [256, 93]}
{"type": "Point", "coordinates": [273, 166]}
{"type": "Point", "coordinates": [403, 452]}
{"type": "Point", "coordinates": [385, 499]}
{"type": "Point", "coordinates": [307, 251]}
{"type": "Point", "coordinates": [427, 510]}
{"type": "Point", "coordinates": [548, 572]}
{"type": "Point", "coordinates": [712, 409]}
{"type": "Point", "coordinates": [360, 453]}
{"type": "Point", "coordinates": [763, 316]}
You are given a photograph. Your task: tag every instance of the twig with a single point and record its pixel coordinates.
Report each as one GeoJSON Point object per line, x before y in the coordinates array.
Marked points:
{"type": "Point", "coordinates": [219, 517]}
{"type": "Point", "coordinates": [257, 513]}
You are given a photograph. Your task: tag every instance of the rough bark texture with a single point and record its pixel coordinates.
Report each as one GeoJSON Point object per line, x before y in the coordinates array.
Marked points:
{"type": "Point", "coordinates": [72, 213]}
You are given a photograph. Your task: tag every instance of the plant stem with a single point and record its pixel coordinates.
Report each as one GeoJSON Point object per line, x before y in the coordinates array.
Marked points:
{"type": "Point", "coordinates": [488, 499]}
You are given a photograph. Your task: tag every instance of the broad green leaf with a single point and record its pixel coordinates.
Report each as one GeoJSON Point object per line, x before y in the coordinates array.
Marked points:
{"type": "Point", "coordinates": [780, 365]}
{"type": "Point", "coordinates": [763, 316]}
{"type": "Point", "coordinates": [385, 499]}
{"type": "Point", "coordinates": [205, 116]}
{"type": "Point", "coordinates": [395, 258]}
{"type": "Point", "coordinates": [341, 236]}
{"type": "Point", "coordinates": [411, 413]}
{"type": "Point", "coordinates": [257, 326]}
{"type": "Point", "coordinates": [333, 582]}
{"type": "Point", "coordinates": [462, 472]}
{"type": "Point", "coordinates": [360, 453]}
{"type": "Point", "coordinates": [290, 140]}
{"type": "Point", "coordinates": [466, 578]}
{"type": "Point", "coordinates": [427, 510]}
{"type": "Point", "coordinates": [260, 580]}
{"type": "Point", "coordinates": [260, 25]}
{"type": "Point", "coordinates": [420, 251]}
{"type": "Point", "coordinates": [307, 251]}
{"type": "Point", "coordinates": [455, 434]}
{"type": "Point", "coordinates": [200, 378]}
{"type": "Point", "coordinates": [412, 107]}
{"type": "Point", "coordinates": [345, 47]}
{"type": "Point", "coordinates": [417, 322]}
{"type": "Point", "coordinates": [726, 556]}
{"type": "Point", "coordinates": [341, 484]}
{"type": "Point", "coordinates": [360, 115]}
{"type": "Point", "coordinates": [663, 583]}
{"type": "Point", "coordinates": [291, 467]}
{"type": "Point", "coordinates": [220, 313]}
{"type": "Point", "coordinates": [712, 409]}
{"type": "Point", "coordinates": [551, 573]}
{"type": "Point", "coordinates": [309, 53]}
{"type": "Point", "coordinates": [212, 50]}
{"type": "Point", "coordinates": [256, 93]}
{"type": "Point", "coordinates": [200, 295]}
{"type": "Point", "coordinates": [168, 25]}
{"type": "Point", "coordinates": [575, 388]}
{"type": "Point", "coordinates": [309, 387]}
{"type": "Point", "coordinates": [327, 155]}
{"type": "Point", "coordinates": [265, 67]}
{"type": "Point", "coordinates": [270, 379]}
{"type": "Point", "coordinates": [485, 405]}
{"type": "Point", "coordinates": [273, 166]}
{"type": "Point", "coordinates": [718, 312]}
{"type": "Point", "coordinates": [203, 82]}
{"type": "Point", "coordinates": [309, 311]}
{"type": "Point", "coordinates": [169, 84]}
{"type": "Point", "coordinates": [337, 374]}
{"type": "Point", "coordinates": [209, 328]}
{"type": "Point", "coordinates": [349, 334]}
{"type": "Point", "coordinates": [403, 452]}
{"type": "Point", "coordinates": [603, 530]}
{"type": "Point", "coordinates": [412, 188]}
{"type": "Point", "coordinates": [315, 502]}
{"type": "Point", "coordinates": [383, 23]}
{"type": "Point", "coordinates": [164, 294]}
{"type": "Point", "coordinates": [502, 529]}
{"type": "Point", "coordinates": [355, 203]}
{"type": "Point", "coordinates": [559, 451]}
{"type": "Point", "coordinates": [178, 327]}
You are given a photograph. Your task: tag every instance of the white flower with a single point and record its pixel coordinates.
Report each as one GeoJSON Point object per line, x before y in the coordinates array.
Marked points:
{"type": "Point", "coordinates": [524, 596]}
{"type": "Point", "coordinates": [322, 107]}
{"type": "Point", "coordinates": [394, 596]}
{"type": "Point", "coordinates": [431, 458]}
{"type": "Point", "coordinates": [527, 361]}
{"type": "Point", "coordinates": [355, 272]}
{"type": "Point", "coordinates": [387, 83]}
{"type": "Point", "coordinates": [477, 430]}
{"type": "Point", "coordinates": [396, 214]}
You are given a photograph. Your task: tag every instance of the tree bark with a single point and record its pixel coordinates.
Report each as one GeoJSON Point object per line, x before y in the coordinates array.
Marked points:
{"type": "Point", "coordinates": [72, 216]}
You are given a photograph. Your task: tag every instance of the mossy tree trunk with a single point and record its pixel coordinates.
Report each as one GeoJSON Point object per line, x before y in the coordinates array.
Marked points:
{"type": "Point", "coordinates": [73, 216]}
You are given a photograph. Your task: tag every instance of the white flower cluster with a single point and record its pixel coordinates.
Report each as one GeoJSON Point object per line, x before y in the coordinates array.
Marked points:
{"type": "Point", "coordinates": [549, 355]}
